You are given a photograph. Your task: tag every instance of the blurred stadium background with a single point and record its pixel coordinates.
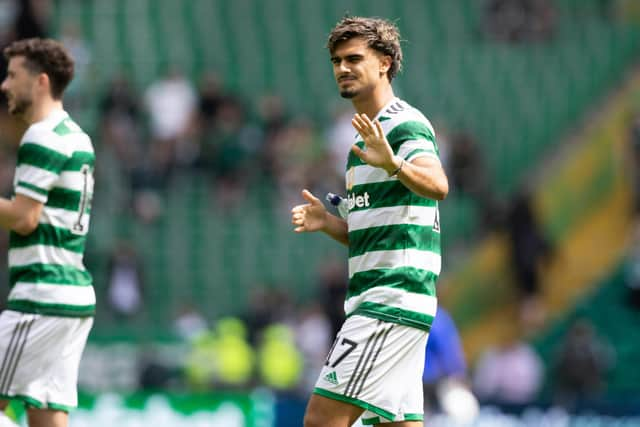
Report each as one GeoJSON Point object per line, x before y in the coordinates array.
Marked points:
{"type": "Point", "coordinates": [209, 116]}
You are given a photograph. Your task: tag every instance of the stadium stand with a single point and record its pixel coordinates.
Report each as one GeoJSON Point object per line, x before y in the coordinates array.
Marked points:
{"type": "Point", "coordinates": [517, 99]}
{"type": "Point", "coordinates": [613, 319]}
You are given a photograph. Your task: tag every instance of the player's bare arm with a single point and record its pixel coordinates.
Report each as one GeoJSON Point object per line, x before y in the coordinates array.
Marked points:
{"type": "Point", "coordinates": [20, 214]}
{"type": "Point", "coordinates": [424, 175]}
{"type": "Point", "coordinates": [313, 216]}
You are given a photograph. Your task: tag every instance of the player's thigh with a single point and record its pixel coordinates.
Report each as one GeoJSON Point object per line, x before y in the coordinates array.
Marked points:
{"type": "Point", "coordinates": [3, 404]}
{"type": "Point", "coordinates": [66, 366]}
{"type": "Point", "coordinates": [47, 418]}
{"type": "Point", "coordinates": [325, 412]}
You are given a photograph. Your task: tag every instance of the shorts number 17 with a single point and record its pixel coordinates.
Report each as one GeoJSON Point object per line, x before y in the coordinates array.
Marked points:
{"type": "Point", "coordinates": [344, 342]}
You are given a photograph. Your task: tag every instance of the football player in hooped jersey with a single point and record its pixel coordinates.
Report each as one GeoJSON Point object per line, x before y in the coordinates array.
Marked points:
{"type": "Point", "coordinates": [394, 181]}
{"type": "Point", "coordinates": [51, 301]}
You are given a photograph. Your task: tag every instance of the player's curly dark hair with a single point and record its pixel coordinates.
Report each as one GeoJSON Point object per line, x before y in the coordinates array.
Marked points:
{"type": "Point", "coordinates": [45, 56]}
{"type": "Point", "coordinates": [380, 34]}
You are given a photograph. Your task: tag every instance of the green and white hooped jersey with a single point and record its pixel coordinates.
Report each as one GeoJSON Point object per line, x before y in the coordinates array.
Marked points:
{"type": "Point", "coordinates": [46, 272]}
{"type": "Point", "coordinates": [394, 234]}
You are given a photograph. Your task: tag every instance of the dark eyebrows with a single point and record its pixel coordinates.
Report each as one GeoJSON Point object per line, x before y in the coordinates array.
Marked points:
{"type": "Point", "coordinates": [351, 58]}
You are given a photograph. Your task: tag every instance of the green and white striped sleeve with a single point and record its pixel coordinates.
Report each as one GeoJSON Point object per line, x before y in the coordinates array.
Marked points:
{"type": "Point", "coordinates": [38, 167]}
{"type": "Point", "coordinates": [413, 139]}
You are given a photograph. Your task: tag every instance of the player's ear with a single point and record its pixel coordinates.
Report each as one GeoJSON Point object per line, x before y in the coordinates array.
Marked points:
{"type": "Point", "coordinates": [43, 81]}
{"type": "Point", "coordinates": [385, 64]}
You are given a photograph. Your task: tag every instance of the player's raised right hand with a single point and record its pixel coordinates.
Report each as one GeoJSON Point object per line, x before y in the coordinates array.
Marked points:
{"type": "Point", "coordinates": [311, 216]}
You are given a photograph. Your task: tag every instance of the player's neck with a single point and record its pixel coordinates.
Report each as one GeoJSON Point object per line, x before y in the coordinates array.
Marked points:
{"type": "Point", "coordinates": [374, 101]}
{"type": "Point", "coordinates": [41, 109]}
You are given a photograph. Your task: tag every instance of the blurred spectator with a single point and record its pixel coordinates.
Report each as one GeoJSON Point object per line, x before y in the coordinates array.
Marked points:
{"type": "Point", "coordinates": [519, 20]}
{"type": "Point", "coordinates": [210, 97]}
{"type": "Point", "coordinates": [32, 19]}
{"type": "Point", "coordinates": [71, 38]}
{"type": "Point", "coordinates": [145, 168]}
{"type": "Point", "coordinates": [445, 356]}
{"type": "Point", "coordinates": [466, 164]}
{"type": "Point", "coordinates": [221, 358]}
{"type": "Point", "coordinates": [189, 323]}
{"type": "Point", "coordinates": [7, 166]}
{"type": "Point", "coordinates": [632, 269]}
{"type": "Point", "coordinates": [300, 160]}
{"type": "Point", "coordinates": [624, 10]}
{"type": "Point", "coordinates": [443, 139]}
{"type": "Point", "coordinates": [634, 142]}
{"type": "Point", "coordinates": [260, 311]}
{"type": "Point", "coordinates": [272, 114]}
{"type": "Point", "coordinates": [267, 305]}
{"type": "Point", "coordinates": [200, 365]}
{"type": "Point", "coordinates": [8, 13]}
{"type": "Point", "coordinates": [235, 358]}
{"type": "Point", "coordinates": [171, 103]}
{"type": "Point", "coordinates": [21, 19]}
{"type": "Point", "coordinates": [529, 247]}
{"type": "Point", "coordinates": [120, 122]}
{"type": "Point", "coordinates": [147, 201]}
{"type": "Point", "coordinates": [313, 336]}
{"type": "Point", "coordinates": [120, 100]}
{"type": "Point", "coordinates": [340, 137]}
{"type": "Point", "coordinates": [228, 149]}
{"type": "Point", "coordinates": [155, 375]}
{"type": "Point", "coordinates": [445, 370]}
{"type": "Point", "coordinates": [333, 292]}
{"type": "Point", "coordinates": [272, 119]}
{"type": "Point", "coordinates": [125, 291]}
{"type": "Point", "coordinates": [580, 367]}
{"type": "Point", "coordinates": [509, 374]}
{"type": "Point", "coordinates": [280, 363]}
{"type": "Point", "coordinates": [467, 173]}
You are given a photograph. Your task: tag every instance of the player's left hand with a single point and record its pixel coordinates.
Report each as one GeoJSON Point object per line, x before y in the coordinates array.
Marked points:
{"type": "Point", "coordinates": [377, 152]}
{"type": "Point", "coordinates": [311, 216]}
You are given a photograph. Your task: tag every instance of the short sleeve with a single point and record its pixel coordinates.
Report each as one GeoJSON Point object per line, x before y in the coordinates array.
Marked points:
{"type": "Point", "coordinates": [38, 168]}
{"type": "Point", "coordinates": [413, 139]}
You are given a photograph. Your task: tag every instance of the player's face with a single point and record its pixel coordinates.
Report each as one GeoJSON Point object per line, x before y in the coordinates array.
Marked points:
{"type": "Point", "coordinates": [18, 86]}
{"type": "Point", "coordinates": [357, 68]}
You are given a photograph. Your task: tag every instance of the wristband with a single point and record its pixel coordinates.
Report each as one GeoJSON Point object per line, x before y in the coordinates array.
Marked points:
{"type": "Point", "coordinates": [395, 172]}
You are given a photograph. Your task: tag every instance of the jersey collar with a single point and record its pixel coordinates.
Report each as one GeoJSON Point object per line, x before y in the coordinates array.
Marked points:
{"type": "Point", "coordinates": [55, 116]}
{"type": "Point", "coordinates": [379, 116]}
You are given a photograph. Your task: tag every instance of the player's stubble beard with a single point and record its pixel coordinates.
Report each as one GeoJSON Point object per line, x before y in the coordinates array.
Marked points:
{"type": "Point", "coordinates": [352, 93]}
{"type": "Point", "coordinates": [348, 94]}
{"type": "Point", "coordinates": [21, 104]}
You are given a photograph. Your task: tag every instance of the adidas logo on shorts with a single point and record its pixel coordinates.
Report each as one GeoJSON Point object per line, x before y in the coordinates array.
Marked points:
{"type": "Point", "coordinates": [331, 377]}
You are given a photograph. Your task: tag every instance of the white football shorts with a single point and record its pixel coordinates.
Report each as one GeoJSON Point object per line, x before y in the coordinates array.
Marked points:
{"type": "Point", "coordinates": [39, 358]}
{"type": "Point", "coordinates": [377, 366]}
